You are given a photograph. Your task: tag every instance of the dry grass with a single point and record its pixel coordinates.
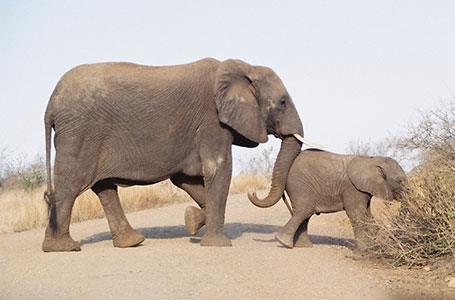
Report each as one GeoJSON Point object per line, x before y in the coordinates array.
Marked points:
{"type": "Point", "coordinates": [249, 183]}
{"type": "Point", "coordinates": [21, 209]}
{"type": "Point", "coordinates": [424, 229]}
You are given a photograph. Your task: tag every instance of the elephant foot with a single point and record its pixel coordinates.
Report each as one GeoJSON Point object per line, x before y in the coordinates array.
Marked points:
{"type": "Point", "coordinates": [219, 240]}
{"type": "Point", "coordinates": [303, 242]}
{"type": "Point", "coordinates": [285, 239]}
{"type": "Point", "coordinates": [129, 238]}
{"type": "Point", "coordinates": [60, 244]}
{"type": "Point", "coordinates": [194, 219]}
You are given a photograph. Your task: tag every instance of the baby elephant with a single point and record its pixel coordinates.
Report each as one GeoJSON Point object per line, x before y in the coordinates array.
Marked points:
{"type": "Point", "coordinates": [325, 182]}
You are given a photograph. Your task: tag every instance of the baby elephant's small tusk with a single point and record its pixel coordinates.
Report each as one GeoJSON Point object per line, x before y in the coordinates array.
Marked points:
{"type": "Point", "coordinates": [304, 141]}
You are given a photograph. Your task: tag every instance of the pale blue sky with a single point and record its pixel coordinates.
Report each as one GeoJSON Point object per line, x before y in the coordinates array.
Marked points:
{"type": "Point", "coordinates": [355, 69]}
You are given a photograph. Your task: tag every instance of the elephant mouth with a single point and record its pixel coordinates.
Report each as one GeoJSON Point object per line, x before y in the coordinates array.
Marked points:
{"type": "Point", "coordinates": [298, 137]}
{"type": "Point", "coordinates": [276, 134]}
{"type": "Point", "coordinates": [398, 195]}
{"type": "Point", "coordinates": [275, 130]}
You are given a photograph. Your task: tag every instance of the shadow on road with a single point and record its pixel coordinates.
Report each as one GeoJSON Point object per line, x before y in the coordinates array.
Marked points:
{"type": "Point", "coordinates": [320, 240]}
{"type": "Point", "coordinates": [329, 240]}
{"type": "Point", "coordinates": [232, 230]}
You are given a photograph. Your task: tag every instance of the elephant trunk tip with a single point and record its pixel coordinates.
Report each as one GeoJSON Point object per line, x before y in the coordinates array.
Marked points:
{"type": "Point", "coordinates": [252, 197]}
{"type": "Point", "coordinates": [262, 203]}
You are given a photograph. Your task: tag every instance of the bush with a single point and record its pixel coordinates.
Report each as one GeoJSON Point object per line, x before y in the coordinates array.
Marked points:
{"type": "Point", "coordinates": [260, 164]}
{"type": "Point", "coordinates": [19, 173]}
{"type": "Point", "coordinates": [33, 178]}
{"type": "Point", "coordinates": [424, 228]}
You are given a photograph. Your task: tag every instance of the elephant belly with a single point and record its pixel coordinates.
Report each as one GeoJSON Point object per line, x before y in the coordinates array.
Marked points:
{"type": "Point", "coordinates": [328, 204]}
{"type": "Point", "coordinates": [149, 168]}
{"type": "Point", "coordinates": [124, 160]}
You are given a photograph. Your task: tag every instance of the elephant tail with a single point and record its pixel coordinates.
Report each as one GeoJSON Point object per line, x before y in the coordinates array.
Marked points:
{"type": "Point", "coordinates": [49, 196]}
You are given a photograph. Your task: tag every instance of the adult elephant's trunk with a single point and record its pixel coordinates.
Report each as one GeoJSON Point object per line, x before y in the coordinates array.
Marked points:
{"type": "Point", "coordinates": [290, 148]}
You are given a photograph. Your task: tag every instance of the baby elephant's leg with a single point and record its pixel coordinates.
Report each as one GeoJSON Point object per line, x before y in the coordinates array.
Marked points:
{"type": "Point", "coordinates": [286, 234]}
{"type": "Point", "coordinates": [358, 215]}
{"type": "Point", "coordinates": [301, 238]}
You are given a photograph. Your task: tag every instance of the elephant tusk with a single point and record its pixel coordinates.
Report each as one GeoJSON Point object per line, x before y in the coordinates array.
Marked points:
{"type": "Point", "coordinates": [304, 141]}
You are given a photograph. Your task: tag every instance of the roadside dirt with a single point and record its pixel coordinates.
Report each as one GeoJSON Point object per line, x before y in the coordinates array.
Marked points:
{"type": "Point", "coordinates": [170, 264]}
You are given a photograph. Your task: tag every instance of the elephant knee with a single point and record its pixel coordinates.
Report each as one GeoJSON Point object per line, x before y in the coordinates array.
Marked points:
{"type": "Point", "coordinates": [211, 166]}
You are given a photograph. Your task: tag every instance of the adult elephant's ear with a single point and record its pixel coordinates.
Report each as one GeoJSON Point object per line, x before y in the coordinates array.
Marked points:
{"type": "Point", "coordinates": [369, 177]}
{"type": "Point", "coordinates": [237, 100]}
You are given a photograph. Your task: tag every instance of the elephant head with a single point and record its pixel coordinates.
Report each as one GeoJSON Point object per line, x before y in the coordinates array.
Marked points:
{"type": "Point", "coordinates": [253, 101]}
{"type": "Point", "coordinates": [379, 176]}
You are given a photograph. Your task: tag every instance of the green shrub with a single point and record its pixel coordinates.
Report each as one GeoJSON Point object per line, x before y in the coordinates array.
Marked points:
{"type": "Point", "coordinates": [33, 178]}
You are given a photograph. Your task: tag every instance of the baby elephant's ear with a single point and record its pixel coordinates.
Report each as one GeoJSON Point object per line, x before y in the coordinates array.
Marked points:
{"type": "Point", "coordinates": [369, 177]}
{"type": "Point", "coordinates": [236, 101]}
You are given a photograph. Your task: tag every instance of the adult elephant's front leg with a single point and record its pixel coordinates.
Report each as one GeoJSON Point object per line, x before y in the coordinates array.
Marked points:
{"type": "Point", "coordinates": [217, 178]}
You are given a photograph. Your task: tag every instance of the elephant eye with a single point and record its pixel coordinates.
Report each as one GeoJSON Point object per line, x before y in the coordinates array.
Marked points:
{"type": "Point", "coordinates": [283, 102]}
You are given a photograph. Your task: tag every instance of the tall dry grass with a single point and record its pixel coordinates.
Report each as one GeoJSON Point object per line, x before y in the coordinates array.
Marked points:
{"type": "Point", "coordinates": [24, 209]}
{"type": "Point", "coordinates": [248, 183]}
{"type": "Point", "coordinates": [21, 210]}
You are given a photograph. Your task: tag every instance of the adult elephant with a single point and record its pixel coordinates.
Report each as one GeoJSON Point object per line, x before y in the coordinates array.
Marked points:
{"type": "Point", "coordinates": [128, 124]}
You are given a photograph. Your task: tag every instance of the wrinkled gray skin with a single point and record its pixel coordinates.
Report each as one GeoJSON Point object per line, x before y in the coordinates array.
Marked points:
{"type": "Point", "coordinates": [126, 124]}
{"type": "Point", "coordinates": [325, 182]}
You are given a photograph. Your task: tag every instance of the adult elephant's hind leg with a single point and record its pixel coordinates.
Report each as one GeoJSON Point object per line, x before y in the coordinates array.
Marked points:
{"type": "Point", "coordinates": [123, 235]}
{"type": "Point", "coordinates": [57, 237]}
{"type": "Point", "coordinates": [195, 217]}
